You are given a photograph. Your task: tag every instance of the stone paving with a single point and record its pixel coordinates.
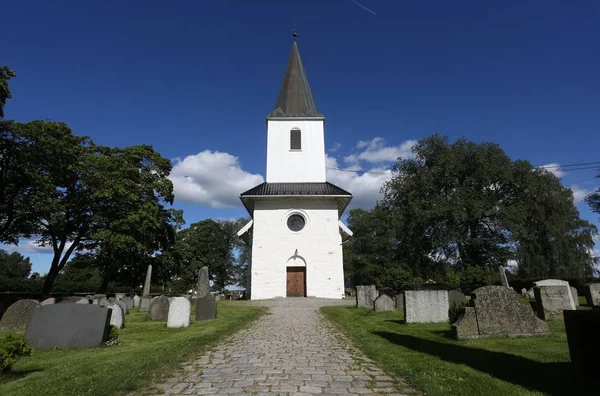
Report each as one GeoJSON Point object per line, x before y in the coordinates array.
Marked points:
{"type": "Point", "coordinates": [292, 350]}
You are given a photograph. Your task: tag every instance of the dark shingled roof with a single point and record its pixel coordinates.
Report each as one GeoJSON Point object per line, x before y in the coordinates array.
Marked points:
{"type": "Point", "coordinates": [296, 189]}
{"type": "Point", "coordinates": [295, 98]}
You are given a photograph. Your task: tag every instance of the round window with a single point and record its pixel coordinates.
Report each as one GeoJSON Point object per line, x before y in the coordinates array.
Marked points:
{"type": "Point", "coordinates": [296, 222]}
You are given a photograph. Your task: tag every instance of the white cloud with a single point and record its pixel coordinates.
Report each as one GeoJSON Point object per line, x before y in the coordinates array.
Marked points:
{"type": "Point", "coordinates": [211, 178]}
{"type": "Point", "coordinates": [364, 187]}
{"type": "Point", "coordinates": [554, 168]}
{"type": "Point", "coordinates": [579, 193]}
{"type": "Point", "coordinates": [28, 246]}
{"type": "Point", "coordinates": [336, 147]}
{"type": "Point", "coordinates": [376, 151]}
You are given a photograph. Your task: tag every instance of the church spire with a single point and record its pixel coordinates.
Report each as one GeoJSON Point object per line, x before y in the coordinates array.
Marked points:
{"type": "Point", "coordinates": [295, 98]}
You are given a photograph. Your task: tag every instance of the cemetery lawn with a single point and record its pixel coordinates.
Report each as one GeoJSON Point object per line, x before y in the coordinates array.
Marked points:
{"type": "Point", "coordinates": [148, 352]}
{"type": "Point", "coordinates": [430, 361]}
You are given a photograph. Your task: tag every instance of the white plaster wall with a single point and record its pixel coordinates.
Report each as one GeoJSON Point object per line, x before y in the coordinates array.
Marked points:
{"type": "Point", "coordinates": [306, 165]}
{"type": "Point", "coordinates": [318, 245]}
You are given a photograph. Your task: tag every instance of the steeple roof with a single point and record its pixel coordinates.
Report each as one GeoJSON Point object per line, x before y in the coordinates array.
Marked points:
{"type": "Point", "coordinates": [295, 98]}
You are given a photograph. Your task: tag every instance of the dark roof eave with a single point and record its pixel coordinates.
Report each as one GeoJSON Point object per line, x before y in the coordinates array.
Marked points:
{"type": "Point", "coordinates": [295, 118]}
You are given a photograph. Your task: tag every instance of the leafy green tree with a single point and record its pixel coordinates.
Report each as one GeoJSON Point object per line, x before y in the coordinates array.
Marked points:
{"type": "Point", "coordinates": [18, 174]}
{"type": "Point", "coordinates": [6, 73]}
{"type": "Point", "coordinates": [553, 241]}
{"type": "Point", "coordinates": [205, 243]}
{"type": "Point", "coordinates": [239, 252]}
{"type": "Point", "coordinates": [14, 265]}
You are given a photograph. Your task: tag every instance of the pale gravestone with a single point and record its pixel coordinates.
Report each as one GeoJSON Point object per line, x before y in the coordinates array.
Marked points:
{"type": "Point", "coordinates": [400, 300]}
{"type": "Point", "coordinates": [120, 303]}
{"type": "Point", "coordinates": [552, 300]}
{"type": "Point", "coordinates": [128, 301]}
{"type": "Point", "coordinates": [68, 326]}
{"type": "Point", "coordinates": [136, 301]}
{"type": "Point", "coordinates": [557, 282]}
{"type": "Point", "coordinates": [101, 298]}
{"type": "Point", "coordinates": [365, 296]}
{"type": "Point", "coordinates": [524, 292]}
{"type": "Point", "coordinates": [592, 294]}
{"type": "Point", "coordinates": [159, 309]}
{"type": "Point", "coordinates": [426, 306]}
{"type": "Point", "coordinates": [17, 316]}
{"type": "Point", "coordinates": [82, 301]}
{"type": "Point", "coordinates": [384, 303]}
{"type": "Point", "coordinates": [117, 318]}
{"type": "Point", "coordinates": [503, 279]}
{"type": "Point", "coordinates": [575, 295]}
{"type": "Point", "coordinates": [203, 287]}
{"type": "Point", "coordinates": [530, 293]}
{"type": "Point", "coordinates": [119, 296]}
{"type": "Point", "coordinates": [496, 311]}
{"type": "Point", "coordinates": [145, 301]}
{"type": "Point", "coordinates": [179, 313]}
{"type": "Point", "coordinates": [48, 301]}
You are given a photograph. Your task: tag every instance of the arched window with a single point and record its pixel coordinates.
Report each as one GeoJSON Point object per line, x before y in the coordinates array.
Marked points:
{"type": "Point", "coordinates": [295, 139]}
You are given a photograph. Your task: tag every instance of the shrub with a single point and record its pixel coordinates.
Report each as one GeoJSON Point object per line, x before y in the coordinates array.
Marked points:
{"type": "Point", "coordinates": [13, 347]}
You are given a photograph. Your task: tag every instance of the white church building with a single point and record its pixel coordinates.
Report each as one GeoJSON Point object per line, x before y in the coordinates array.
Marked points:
{"type": "Point", "coordinates": [295, 233]}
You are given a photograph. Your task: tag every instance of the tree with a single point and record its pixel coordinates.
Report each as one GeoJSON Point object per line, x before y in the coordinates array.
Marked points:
{"type": "Point", "coordinates": [6, 73]}
{"type": "Point", "coordinates": [14, 265]}
{"type": "Point", "coordinates": [239, 252]}
{"type": "Point", "coordinates": [110, 201]}
{"type": "Point", "coordinates": [18, 173]}
{"type": "Point", "coordinates": [553, 241]}
{"type": "Point", "coordinates": [205, 243]}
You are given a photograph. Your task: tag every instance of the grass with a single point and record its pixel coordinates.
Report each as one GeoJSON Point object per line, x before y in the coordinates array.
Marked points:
{"type": "Point", "coordinates": [430, 361]}
{"type": "Point", "coordinates": [148, 352]}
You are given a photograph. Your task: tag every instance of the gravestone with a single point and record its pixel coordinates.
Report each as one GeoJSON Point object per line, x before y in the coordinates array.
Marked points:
{"type": "Point", "coordinates": [582, 329]}
{"type": "Point", "coordinates": [159, 309]}
{"type": "Point", "coordinates": [68, 326]}
{"type": "Point", "coordinates": [117, 318]}
{"type": "Point", "coordinates": [145, 302]}
{"type": "Point", "coordinates": [128, 301]}
{"type": "Point", "coordinates": [100, 299]}
{"type": "Point", "coordinates": [17, 316]}
{"type": "Point", "coordinates": [119, 296]}
{"type": "Point", "coordinates": [147, 282]}
{"type": "Point", "coordinates": [47, 301]}
{"type": "Point", "coordinates": [206, 308]}
{"type": "Point", "coordinates": [384, 303]}
{"type": "Point", "coordinates": [495, 311]}
{"type": "Point", "coordinates": [365, 296]}
{"type": "Point", "coordinates": [456, 297]}
{"type": "Point", "coordinates": [552, 300]}
{"type": "Point", "coordinates": [575, 295]}
{"type": "Point", "coordinates": [136, 301]}
{"type": "Point", "coordinates": [179, 313]}
{"type": "Point", "coordinates": [426, 306]}
{"type": "Point", "coordinates": [120, 303]}
{"type": "Point", "coordinates": [530, 293]}
{"type": "Point", "coordinates": [524, 292]}
{"type": "Point", "coordinates": [203, 287]}
{"type": "Point", "coordinates": [400, 300]}
{"type": "Point", "coordinates": [82, 301]}
{"type": "Point", "coordinates": [557, 282]}
{"type": "Point", "coordinates": [592, 294]}
{"type": "Point", "coordinates": [503, 279]}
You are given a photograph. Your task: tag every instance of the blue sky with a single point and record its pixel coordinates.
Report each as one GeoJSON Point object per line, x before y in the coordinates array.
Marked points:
{"type": "Point", "coordinates": [196, 79]}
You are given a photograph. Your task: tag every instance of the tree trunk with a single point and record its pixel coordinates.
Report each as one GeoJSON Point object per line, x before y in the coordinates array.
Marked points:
{"type": "Point", "coordinates": [49, 282]}
{"type": "Point", "coordinates": [104, 285]}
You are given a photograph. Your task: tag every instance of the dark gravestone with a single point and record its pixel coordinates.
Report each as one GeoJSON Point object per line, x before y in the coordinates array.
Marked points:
{"type": "Point", "coordinates": [365, 296]}
{"type": "Point", "coordinates": [206, 308]}
{"type": "Point", "coordinates": [68, 326]}
{"type": "Point", "coordinates": [128, 301]}
{"type": "Point", "coordinates": [159, 310]}
{"type": "Point", "coordinates": [17, 316]}
{"type": "Point", "coordinates": [456, 297]}
{"type": "Point", "coordinates": [400, 300]}
{"type": "Point", "coordinates": [583, 328]}
{"type": "Point", "coordinates": [496, 311]}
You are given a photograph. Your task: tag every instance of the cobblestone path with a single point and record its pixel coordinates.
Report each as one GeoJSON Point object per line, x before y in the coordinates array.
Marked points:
{"type": "Point", "coordinates": [292, 350]}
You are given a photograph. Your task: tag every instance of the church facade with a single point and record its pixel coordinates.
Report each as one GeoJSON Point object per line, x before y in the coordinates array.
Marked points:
{"type": "Point", "coordinates": [295, 233]}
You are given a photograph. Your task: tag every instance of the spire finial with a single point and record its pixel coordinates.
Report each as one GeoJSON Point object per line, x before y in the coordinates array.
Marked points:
{"type": "Point", "coordinates": [294, 33]}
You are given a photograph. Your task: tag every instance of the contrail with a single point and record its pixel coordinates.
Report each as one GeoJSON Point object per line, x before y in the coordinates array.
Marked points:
{"type": "Point", "coordinates": [362, 6]}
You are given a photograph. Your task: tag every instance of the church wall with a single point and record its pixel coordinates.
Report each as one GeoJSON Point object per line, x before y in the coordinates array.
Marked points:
{"type": "Point", "coordinates": [285, 165]}
{"type": "Point", "coordinates": [318, 247]}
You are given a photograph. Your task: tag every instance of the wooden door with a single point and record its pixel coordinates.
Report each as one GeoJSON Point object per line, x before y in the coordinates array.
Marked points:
{"type": "Point", "coordinates": [296, 281]}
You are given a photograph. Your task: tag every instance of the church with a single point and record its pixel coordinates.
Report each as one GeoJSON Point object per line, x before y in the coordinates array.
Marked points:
{"type": "Point", "coordinates": [295, 234]}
